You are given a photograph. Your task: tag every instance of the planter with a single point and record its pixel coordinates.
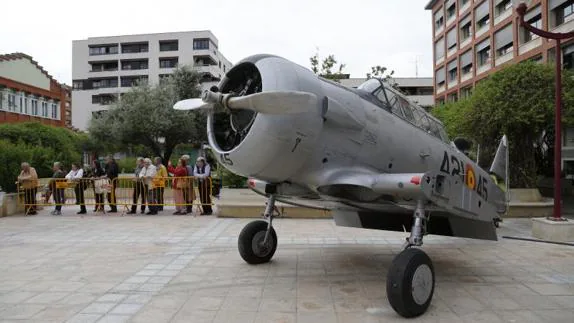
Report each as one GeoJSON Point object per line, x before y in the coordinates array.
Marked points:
{"type": "Point", "coordinates": [9, 204]}
{"type": "Point", "coordinates": [529, 203]}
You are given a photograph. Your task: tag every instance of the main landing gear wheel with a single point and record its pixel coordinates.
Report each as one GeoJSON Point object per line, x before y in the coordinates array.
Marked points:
{"type": "Point", "coordinates": [410, 283]}
{"type": "Point", "coordinates": [252, 245]}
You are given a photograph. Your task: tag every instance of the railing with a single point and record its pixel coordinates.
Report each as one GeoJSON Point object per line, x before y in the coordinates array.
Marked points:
{"type": "Point", "coordinates": [122, 191]}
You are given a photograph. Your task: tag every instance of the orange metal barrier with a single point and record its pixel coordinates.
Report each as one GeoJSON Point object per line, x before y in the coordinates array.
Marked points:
{"type": "Point", "coordinates": [122, 191]}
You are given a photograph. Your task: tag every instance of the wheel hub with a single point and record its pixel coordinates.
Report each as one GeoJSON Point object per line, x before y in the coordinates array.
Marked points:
{"type": "Point", "coordinates": [422, 284]}
{"type": "Point", "coordinates": [260, 248]}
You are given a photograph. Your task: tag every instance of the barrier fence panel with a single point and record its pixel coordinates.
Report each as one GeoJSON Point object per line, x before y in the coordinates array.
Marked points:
{"type": "Point", "coordinates": [122, 191]}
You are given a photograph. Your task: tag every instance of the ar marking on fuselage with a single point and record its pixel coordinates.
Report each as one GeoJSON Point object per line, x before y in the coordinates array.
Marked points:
{"type": "Point", "coordinates": [467, 173]}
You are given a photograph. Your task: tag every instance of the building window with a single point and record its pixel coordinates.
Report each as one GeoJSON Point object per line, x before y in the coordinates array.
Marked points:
{"type": "Point", "coordinates": [135, 48]}
{"type": "Point", "coordinates": [168, 62]}
{"type": "Point", "coordinates": [506, 49]}
{"type": "Point", "coordinates": [466, 31]}
{"type": "Point", "coordinates": [564, 13]}
{"type": "Point", "coordinates": [452, 97]}
{"type": "Point", "coordinates": [568, 57]}
{"type": "Point", "coordinates": [54, 111]}
{"type": "Point", "coordinates": [104, 66]}
{"type": "Point", "coordinates": [21, 104]}
{"type": "Point", "coordinates": [11, 102]}
{"type": "Point", "coordinates": [482, 23]}
{"type": "Point", "coordinates": [168, 45]}
{"type": "Point", "coordinates": [105, 83]}
{"type": "Point", "coordinates": [129, 81]}
{"type": "Point", "coordinates": [535, 22]}
{"type": "Point", "coordinates": [451, 11]}
{"type": "Point", "coordinates": [25, 105]}
{"type": "Point", "coordinates": [78, 85]}
{"type": "Point", "coordinates": [452, 75]}
{"type": "Point", "coordinates": [103, 49]}
{"type": "Point", "coordinates": [465, 92]}
{"type": "Point", "coordinates": [34, 107]}
{"type": "Point", "coordinates": [201, 43]}
{"type": "Point", "coordinates": [141, 64]}
{"type": "Point", "coordinates": [44, 109]}
{"type": "Point", "coordinates": [502, 7]}
{"type": "Point", "coordinates": [103, 99]}
{"type": "Point", "coordinates": [464, 2]}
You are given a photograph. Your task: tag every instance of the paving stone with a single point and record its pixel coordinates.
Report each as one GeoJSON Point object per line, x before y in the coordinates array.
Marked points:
{"type": "Point", "coordinates": [171, 269]}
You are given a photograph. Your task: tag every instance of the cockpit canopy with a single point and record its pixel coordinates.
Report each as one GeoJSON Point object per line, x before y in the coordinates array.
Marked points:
{"type": "Point", "coordinates": [399, 105]}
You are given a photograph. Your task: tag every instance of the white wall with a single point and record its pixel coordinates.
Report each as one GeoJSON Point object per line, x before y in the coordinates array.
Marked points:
{"type": "Point", "coordinates": [82, 99]}
{"type": "Point", "coordinates": [23, 71]}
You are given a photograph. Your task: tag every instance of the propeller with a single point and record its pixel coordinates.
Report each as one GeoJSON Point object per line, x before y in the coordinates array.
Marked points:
{"type": "Point", "coordinates": [271, 102]}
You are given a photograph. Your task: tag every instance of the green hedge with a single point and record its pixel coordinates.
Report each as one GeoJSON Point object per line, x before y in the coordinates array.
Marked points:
{"type": "Point", "coordinates": [38, 144]}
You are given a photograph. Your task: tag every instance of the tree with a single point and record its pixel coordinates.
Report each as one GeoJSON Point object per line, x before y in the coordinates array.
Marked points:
{"type": "Point", "coordinates": [517, 101]}
{"type": "Point", "coordinates": [327, 65]}
{"type": "Point", "coordinates": [145, 116]}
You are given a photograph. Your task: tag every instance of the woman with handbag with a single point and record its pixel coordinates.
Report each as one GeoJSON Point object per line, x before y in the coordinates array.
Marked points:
{"type": "Point", "coordinates": [179, 184]}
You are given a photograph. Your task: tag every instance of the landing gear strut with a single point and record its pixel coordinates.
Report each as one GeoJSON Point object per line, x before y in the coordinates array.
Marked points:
{"type": "Point", "coordinates": [258, 240]}
{"type": "Point", "coordinates": [410, 279]}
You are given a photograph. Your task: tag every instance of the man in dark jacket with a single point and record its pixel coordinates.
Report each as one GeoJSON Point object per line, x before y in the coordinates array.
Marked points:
{"type": "Point", "coordinates": [112, 172]}
{"type": "Point", "coordinates": [57, 185]}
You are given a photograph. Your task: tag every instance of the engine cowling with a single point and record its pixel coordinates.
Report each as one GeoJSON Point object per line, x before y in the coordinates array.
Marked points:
{"type": "Point", "coordinates": [271, 147]}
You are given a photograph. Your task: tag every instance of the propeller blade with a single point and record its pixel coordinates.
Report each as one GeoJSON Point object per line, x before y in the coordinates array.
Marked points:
{"type": "Point", "coordinates": [275, 102]}
{"type": "Point", "coordinates": [191, 104]}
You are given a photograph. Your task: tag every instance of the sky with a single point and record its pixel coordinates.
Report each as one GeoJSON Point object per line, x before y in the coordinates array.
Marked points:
{"type": "Point", "coordinates": [360, 33]}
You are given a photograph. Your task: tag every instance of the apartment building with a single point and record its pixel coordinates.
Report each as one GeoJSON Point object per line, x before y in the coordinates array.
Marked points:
{"type": "Point", "coordinates": [105, 67]}
{"type": "Point", "coordinates": [29, 93]}
{"type": "Point", "coordinates": [418, 89]}
{"type": "Point", "coordinates": [473, 38]}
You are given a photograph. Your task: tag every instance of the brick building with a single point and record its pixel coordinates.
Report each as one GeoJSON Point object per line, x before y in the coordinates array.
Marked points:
{"type": "Point", "coordinates": [474, 38]}
{"type": "Point", "coordinates": [29, 93]}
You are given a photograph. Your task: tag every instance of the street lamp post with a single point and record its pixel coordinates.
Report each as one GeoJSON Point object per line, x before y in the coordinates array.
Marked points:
{"type": "Point", "coordinates": [521, 10]}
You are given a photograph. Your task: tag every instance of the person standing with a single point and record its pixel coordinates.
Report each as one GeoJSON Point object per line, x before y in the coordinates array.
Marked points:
{"type": "Point", "coordinates": [139, 188]}
{"type": "Point", "coordinates": [112, 172]}
{"type": "Point", "coordinates": [202, 172]}
{"type": "Point", "coordinates": [57, 187]}
{"type": "Point", "coordinates": [99, 178]}
{"type": "Point", "coordinates": [161, 177]}
{"type": "Point", "coordinates": [147, 175]}
{"type": "Point", "coordinates": [179, 184]}
{"type": "Point", "coordinates": [75, 175]}
{"type": "Point", "coordinates": [28, 181]}
{"type": "Point", "coordinates": [188, 193]}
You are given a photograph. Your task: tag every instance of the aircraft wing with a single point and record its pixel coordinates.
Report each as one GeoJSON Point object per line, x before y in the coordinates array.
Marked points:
{"type": "Point", "coordinates": [448, 192]}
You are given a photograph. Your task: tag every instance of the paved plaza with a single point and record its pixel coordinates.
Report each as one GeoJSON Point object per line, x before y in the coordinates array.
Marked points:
{"type": "Point", "coordinates": [187, 269]}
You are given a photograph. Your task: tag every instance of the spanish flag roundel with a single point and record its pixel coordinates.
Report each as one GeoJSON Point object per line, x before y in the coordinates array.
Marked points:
{"type": "Point", "coordinates": [470, 178]}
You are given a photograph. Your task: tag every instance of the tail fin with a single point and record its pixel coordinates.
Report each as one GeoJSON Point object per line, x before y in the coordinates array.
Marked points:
{"type": "Point", "coordinates": [499, 165]}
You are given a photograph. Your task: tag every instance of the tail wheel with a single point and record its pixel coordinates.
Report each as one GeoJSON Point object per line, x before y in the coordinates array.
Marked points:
{"type": "Point", "coordinates": [252, 247]}
{"type": "Point", "coordinates": [410, 283]}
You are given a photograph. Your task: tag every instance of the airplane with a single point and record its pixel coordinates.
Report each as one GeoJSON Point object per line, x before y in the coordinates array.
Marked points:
{"type": "Point", "coordinates": [369, 155]}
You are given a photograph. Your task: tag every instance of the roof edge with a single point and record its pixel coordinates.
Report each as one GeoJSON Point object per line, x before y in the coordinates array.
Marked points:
{"type": "Point", "coordinates": [430, 4]}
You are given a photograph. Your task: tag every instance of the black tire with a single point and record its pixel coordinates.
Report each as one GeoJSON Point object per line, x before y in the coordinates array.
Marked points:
{"type": "Point", "coordinates": [251, 234]}
{"type": "Point", "coordinates": [400, 293]}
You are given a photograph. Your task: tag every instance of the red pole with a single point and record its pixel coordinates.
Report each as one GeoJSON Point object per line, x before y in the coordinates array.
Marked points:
{"type": "Point", "coordinates": [521, 10]}
{"type": "Point", "coordinates": [558, 135]}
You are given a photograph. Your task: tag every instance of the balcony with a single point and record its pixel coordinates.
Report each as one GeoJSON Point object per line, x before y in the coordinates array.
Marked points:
{"type": "Point", "coordinates": [566, 27]}
{"type": "Point", "coordinates": [439, 60]}
{"type": "Point", "coordinates": [452, 84]}
{"type": "Point", "coordinates": [503, 15]}
{"type": "Point", "coordinates": [451, 51]}
{"type": "Point", "coordinates": [504, 58]}
{"type": "Point", "coordinates": [462, 10]}
{"type": "Point", "coordinates": [483, 68]}
{"type": "Point", "coordinates": [210, 69]}
{"type": "Point", "coordinates": [481, 31]}
{"type": "Point", "coordinates": [450, 20]}
{"type": "Point", "coordinates": [465, 42]}
{"type": "Point", "coordinates": [465, 77]}
{"type": "Point", "coordinates": [440, 89]}
{"type": "Point", "coordinates": [526, 47]}
{"type": "Point", "coordinates": [439, 30]}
